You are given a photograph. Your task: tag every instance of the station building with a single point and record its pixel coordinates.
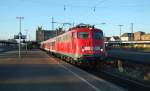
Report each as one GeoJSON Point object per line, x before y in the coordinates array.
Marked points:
{"type": "Point", "coordinates": [146, 37]}
{"type": "Point", "coordinates": [127, 37]}
{"type": "Point", "coordinates": [42, 34]}
{"type": "Point", "coordinates": [138, 35]}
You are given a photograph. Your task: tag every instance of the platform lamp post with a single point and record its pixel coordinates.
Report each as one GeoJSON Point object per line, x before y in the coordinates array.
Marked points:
{"type": "Point", "coordinates": [132, 35]}
{"type": "Point", "coordinates": [53, 22]}
{"type": "Point", "coordinates": [103, 23]}
{"type": "Point", "coordinates": [120, 27]}
{"type": "Point", "coordinates": [20, 18]}
{"type": "Point", "coordinates": [26, 39]}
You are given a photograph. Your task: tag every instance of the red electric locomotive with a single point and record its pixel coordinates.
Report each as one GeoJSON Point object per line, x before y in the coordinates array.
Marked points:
{"type": "Point", "coordinates": [81, 44]}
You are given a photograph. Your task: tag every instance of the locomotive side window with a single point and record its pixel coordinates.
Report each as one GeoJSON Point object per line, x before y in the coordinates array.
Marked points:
{"type": "Point", "coordinates": [97, 35]}
{"type": "Point", "coordinates": [84, 35]}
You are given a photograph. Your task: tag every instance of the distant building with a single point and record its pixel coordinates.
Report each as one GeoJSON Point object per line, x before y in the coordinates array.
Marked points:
{"type": "Point", "coordinates": [145, 37]}
{"type": "Point", "coordinates": [127, 37]}
{"type": "Point", "coordinates": [12, 40]}
{"type": "Point", "coordinates": [106, 39]}
{"type": "Point", "coordinates": [137, 35]}
{"type": "Point", "coordinates": [42, 35]}
{"type": "Point", "coordinates": [115, 38]}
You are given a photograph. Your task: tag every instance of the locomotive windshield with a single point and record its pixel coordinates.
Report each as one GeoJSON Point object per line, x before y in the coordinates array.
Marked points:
{"type": "Point", "coordinates": [84, 35]}
{"type": "Point", "coordinates": [97, 35]}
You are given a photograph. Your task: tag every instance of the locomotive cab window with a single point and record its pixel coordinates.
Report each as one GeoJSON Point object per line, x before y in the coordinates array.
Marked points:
{"type": "Point", "coordinates": [97, 35]}
{"type": "Point", "coordinates": [83, 34]}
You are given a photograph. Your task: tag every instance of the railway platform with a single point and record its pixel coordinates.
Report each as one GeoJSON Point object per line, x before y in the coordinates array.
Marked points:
{"type": "Point", "coordinates": [37, 71]}
{"type": "Point", "coordinates": [132, 56]}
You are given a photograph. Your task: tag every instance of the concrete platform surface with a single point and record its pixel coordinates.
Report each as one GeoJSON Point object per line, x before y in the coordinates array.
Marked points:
{"type": "Point", "coordinates": [37, 71]}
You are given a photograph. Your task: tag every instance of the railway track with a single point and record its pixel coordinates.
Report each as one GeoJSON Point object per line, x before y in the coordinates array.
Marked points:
{"type": "Point", "coordinates": [122, 81]}
{"type": "Point", "coordinates": [128, 83]}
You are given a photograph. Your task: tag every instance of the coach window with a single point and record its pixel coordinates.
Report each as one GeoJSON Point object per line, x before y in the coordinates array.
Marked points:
{"type": "Point", "coordinates": [84, 35]}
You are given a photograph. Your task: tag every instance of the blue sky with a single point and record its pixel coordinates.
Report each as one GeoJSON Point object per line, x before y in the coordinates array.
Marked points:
{"type": "Point", "coordinates": [39, 13]}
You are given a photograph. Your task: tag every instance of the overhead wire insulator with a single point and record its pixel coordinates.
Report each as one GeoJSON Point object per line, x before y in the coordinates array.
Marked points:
{"type": "Point", "coordinates": [64, 7]}
{"type": "Point", "coordinates": [94, 9]}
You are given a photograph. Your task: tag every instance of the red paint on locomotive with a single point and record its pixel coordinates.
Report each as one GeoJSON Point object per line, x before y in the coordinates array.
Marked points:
{"type": "Point", "coordinates": [80, 43]}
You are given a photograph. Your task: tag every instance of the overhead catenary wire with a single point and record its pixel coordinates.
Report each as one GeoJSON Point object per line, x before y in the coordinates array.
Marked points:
{"type": "Point", "coordinates": [97, 4]}
{"type": "Point", "coordinates": [84, 6]}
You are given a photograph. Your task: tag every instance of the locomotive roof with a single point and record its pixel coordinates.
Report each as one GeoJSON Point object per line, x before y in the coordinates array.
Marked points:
{"type": "Point", "coordinates": [76, 28]}
{"type": "Point", "coordinates": [84, 26]}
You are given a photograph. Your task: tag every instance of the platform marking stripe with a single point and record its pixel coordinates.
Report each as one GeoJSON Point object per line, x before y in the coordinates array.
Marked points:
{"type": "Point", "coordinates": [81, 78]}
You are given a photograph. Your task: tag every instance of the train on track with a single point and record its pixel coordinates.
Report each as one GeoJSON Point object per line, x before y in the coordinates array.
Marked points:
{"type": "Point", "coordinates": [82, 44]}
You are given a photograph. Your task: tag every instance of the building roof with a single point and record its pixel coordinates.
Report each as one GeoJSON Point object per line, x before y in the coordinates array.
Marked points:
{"type": "Point", "coordinates": [148, 34]}
{"type": "Point", "coordinates": [116, 37]}
{"type": "Point", "coordinates": [107, 38]}
{"type": "Point", "coordinates": [140, 32]}
{"type": "Point", "coordinates": [127, 35]}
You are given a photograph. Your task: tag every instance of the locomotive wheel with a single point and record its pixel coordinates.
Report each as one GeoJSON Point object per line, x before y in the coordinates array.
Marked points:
{"type": "Point", "coordinates": [99, 65]}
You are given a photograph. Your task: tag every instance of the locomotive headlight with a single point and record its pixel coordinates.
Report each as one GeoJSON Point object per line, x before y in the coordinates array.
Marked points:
{"type": "Point", "coordinates": [82, 50]}
{"type": "Point", "coordinates": [101, 50]}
